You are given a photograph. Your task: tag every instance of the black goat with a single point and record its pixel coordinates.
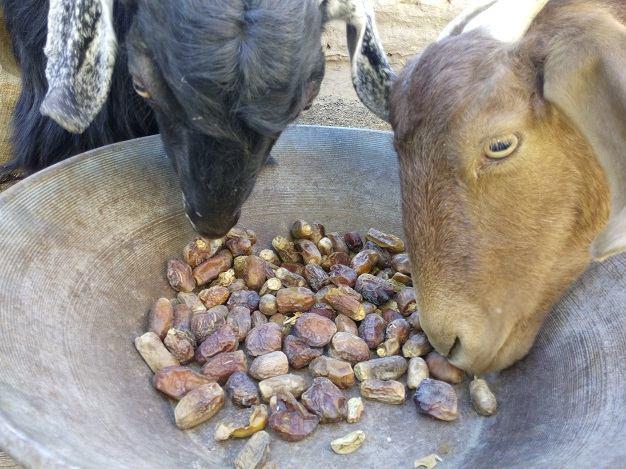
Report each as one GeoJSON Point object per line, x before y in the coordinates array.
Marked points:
{"type": "Point", "coordinates": [222, 78]}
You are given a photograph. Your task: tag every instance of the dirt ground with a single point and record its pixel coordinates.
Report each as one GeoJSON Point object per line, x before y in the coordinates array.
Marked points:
{"type": "Point", "coordinates": [337, 104]}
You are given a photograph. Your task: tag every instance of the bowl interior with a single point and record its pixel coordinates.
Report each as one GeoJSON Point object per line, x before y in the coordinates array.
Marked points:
{"type": "Point", "coordinates": [82, 253]}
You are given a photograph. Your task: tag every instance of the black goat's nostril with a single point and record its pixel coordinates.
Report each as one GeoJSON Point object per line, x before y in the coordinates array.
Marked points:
{"type": "Point", "coordinates": [455, 347]}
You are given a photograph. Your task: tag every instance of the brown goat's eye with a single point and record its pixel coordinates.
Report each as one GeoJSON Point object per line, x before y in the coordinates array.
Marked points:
{"type": "Point", "coordinates": [501, 147]}
{"type": "Point", "coordinates": [141, 90]}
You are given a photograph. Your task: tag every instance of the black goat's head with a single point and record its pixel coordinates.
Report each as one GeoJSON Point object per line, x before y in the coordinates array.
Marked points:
{"type": "Point", "coordinates": [224, 78]}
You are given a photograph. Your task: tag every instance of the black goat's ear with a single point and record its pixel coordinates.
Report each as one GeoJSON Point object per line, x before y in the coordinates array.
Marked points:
{"type": "Point", "coordinates": [372, 75]}
{"type": "Point", "coordinates": [81, 49]}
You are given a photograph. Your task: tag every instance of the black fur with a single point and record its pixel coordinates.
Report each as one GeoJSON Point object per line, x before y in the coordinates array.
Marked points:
{"type": "Point", "coordinates": [223, 79]}
{"type": "Point", "coordinates": [37, 140]}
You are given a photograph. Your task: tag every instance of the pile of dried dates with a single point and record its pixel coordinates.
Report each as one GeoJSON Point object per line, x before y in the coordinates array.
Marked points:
{"type": "Point", "coordinates": [244, 319]}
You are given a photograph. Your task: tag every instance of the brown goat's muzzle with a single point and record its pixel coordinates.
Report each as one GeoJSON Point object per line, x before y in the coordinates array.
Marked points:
{"type": "Point", "coordinates": [474, 339]}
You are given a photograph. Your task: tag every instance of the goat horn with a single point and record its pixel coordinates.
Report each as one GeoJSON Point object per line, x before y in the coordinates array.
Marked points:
{"type": "Point", "coordinates": [372, 75]}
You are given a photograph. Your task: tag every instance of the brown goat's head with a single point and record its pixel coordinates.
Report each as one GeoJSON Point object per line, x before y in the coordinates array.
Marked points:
{"type": "Point", "coordinates": [509, 185]}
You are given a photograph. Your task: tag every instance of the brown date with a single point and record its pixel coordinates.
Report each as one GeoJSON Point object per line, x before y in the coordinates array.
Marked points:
{"type": "Point", "coordinates": [242, 389]}
{"type": "Point", "coordinates": [437, 399]}
{"type": "Point", "coordinates": [294, 299]}
{"type": "Point", "coordinates": [264, 339]}
{"type": "Point", "coordinates": [176, 381]}
{"type": "Point", "coordinates": [315, 330]}
{"type": "Point", "coordinates": [221, 366]}
{"type": "Point", "coordinates": [214, 296]}
{"type": "Point", "coordinates": [325, 400]}
{"type": "Point", "coordinates": [222, 340]}
{"type": "Point", "coordinates": [338, 371]}
{"type": "Point", "coordinates": [349, 347]}
{"type": "Point", "coordinates": [180, 276]}
{"type": "Point", "coordinates": [372, 330]}
{"type": "Point", "coordinates": [212, 267]}
{"type": "Point", "coordinates": [298, 352]}
{"type": "Point", "coordinates": [161, 317]}
{"type": "Point", "coordinates": [289, 419]}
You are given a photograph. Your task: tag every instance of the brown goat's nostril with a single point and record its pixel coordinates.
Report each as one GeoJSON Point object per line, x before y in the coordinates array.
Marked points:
{"type": "Point", "coordinates": [455, 347]}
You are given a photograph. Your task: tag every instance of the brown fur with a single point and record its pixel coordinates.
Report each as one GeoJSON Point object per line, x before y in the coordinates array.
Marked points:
{"type": "Point", "coordinates": [495, 243]}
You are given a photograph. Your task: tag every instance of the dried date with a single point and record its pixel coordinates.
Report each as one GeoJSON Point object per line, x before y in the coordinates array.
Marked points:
{"type": "Point", "coordinates": [242, 389]}
{"type": "Point", "coordinates": [176, 381]}
{"type": "Point", "coordinates": [325, 400]}
{"type": "Point", "coordinates": [440, 368]}
{"type": "Point", "coordinates": [437, 399]}
{"type": "Point", "coordinates": [398, 329]}
{"type": "Point", "coordinates": [264, 339]}
{"type": "Point", "coordinates": [416, 346]}
{"type": "Point", "coordinates": [389, 392]}
{"type": "Point", "coordinates": [293, 299]}
{"type": "Point", "coordinates": [161, 317]}
{"type": "Point", "coordinates": [269, 365]}
{"type": "Point", "coordinates": [199, 405]}
{"type": "Point", "coordinates": [212, 267]}
{"type": "Point", "coordinates": [254, 272]}
{"type": "Point", "coordinates": [309, 252]}
{"type": "Point", "coordinates": [345, 324]}
{"type": "Point", "coordinates": [317, 331]}
{"type": "Point", "coordinates": [221, 366]}
{"type": "Point", "coordinates": [181, 343]}
{"type": "Point", "coordinates": [353, 240]}
{"type": "Point", "coordinates": [240, 321]}
{"type": "Point", "coordinates": [205, 323]}
{"type": "Point", "coordinates": [374, 289]}
{"type": "Point", "coordinates": [372, 330]}
{"type": "Point", "coordinates": [298, 352]}
{"type": "Point", "coordinates": [417, 372]}
{"type": "Point", "coordinates": [344, 302]}
{"type": "Point", "coordinates": [386, 241]}
{"type": "Point", "coordinates": [294, 384]}
{"type": "Point", "coordinates": [248, 298]}
{"type": "Point", "coordinates": [349, 347]}
{"type": "Point", "coordinates": [286, 250]}
{"type": "Point", "coordinates": [154, 352]}
{"type": "Point", "coordinates": [214, 296]}
{"type": "Point", "coordinates": [338, 371]}
{"type": "Point", "coordinates": [381, 368]}
{"type": "Point", "coordinates": [342, 275]}
{"type": "Point", "coordinates": [201, 249]}
{"type": "Point", "coordinates": [316, 276]}
{"type": "Point", "coordinates": [222, 340]}
{"type": "Point", "coordinates": [289, 419]}
{"type": "Point", "coordinates": [179, 275]}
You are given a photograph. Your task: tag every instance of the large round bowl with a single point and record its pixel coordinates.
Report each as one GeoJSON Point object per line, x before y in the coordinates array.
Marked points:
{"type": "Point", "coordinates": [82, 253]}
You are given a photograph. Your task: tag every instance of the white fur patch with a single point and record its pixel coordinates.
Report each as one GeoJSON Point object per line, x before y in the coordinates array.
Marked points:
{"type": "Point", "coordinates": [504, 20]}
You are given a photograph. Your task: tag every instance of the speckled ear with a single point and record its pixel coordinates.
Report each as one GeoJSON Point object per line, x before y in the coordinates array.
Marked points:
{"type": "Point", "coordinates": [372, 75]}
{"type": "Point", "coordinates": [81, 49]}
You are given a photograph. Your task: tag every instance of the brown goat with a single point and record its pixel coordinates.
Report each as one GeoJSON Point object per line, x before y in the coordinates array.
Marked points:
{"type": "Point", "coordinates": [513, 171]}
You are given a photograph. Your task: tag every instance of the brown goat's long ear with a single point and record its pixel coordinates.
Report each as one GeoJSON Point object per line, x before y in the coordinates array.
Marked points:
{"type": "Point", "coordinates": [81, 49]}
{"type": "Point", "coordinates": [585, 77]}
{"type": "Point", "coordinates": [372, 75]}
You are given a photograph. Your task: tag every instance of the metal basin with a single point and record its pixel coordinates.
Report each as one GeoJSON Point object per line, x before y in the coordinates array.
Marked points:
{"type": "Point", "coordinates": [82, 252]}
